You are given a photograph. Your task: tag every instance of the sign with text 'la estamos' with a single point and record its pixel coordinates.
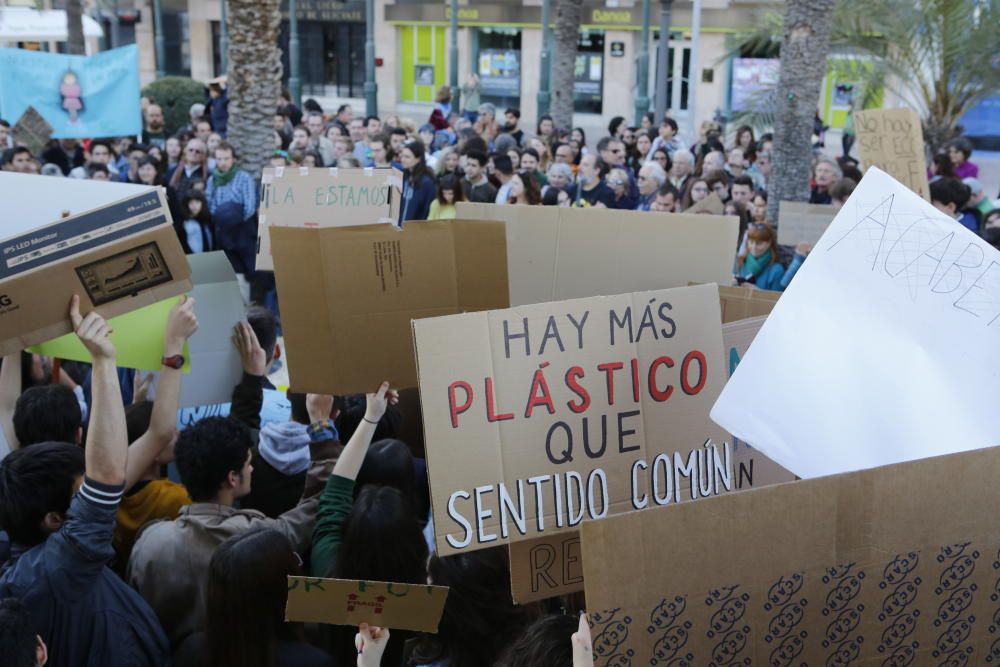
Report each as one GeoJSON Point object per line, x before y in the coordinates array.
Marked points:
{"type": "Point", "coordinates": [541, 416]}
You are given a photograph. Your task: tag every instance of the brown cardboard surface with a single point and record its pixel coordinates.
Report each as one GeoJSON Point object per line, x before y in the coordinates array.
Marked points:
{"type": "Point", "coordinates": [524, 406]}
{"type": "Point", "coordinates": [117, 258]}
{"type": "Point", "coordinates": [745, 302]}
{"type": "Point", "coordinates": [799, 222]}
{"type": "Point", "coordinates": [563, 253]}
{"type": "Point", "coordinates": [550, 566]}
{"type": "Point", "coordinates": [892, 140]}
{"type": "Point", "coordinates": [324, 197]}
{"type": "Point", "coordinates": [710, 204]}
{"type": "Point", "coordinates": [893, 566]}
{"type": "Point", "coordinates": [351, 602]}
{"type": "Point", "coordinates": [348, 295]}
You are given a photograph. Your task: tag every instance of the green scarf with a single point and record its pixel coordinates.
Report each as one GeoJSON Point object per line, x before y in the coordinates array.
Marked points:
{"type": "Point", "coordinates": [221, 178]}
{"type": "Point", "coordinates": [754, 266]}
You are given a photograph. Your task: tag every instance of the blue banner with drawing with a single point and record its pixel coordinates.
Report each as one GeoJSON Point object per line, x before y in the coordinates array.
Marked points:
{"type": "Point", "coordinates": [79, 96]}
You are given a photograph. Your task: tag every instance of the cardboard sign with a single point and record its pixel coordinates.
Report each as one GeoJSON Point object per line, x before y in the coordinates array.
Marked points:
{"type": "Point", "coordinates": [799, 222]}
{"type": "Point", "coordinates": [894, 566]}
{"type": "Point", "coordinates": [893, 140]}
{"type": "Point", "coordinates": [351, 602]}
{"type": "Point", "coordinates": [550, 566]}
{"type": "Point", "coordinates": [745, 302]}
{"type": "Point", "coordinates": [884, 348]}
{"type": "Point", "coordinates": [710, 204]}
{"type": "Point", "coordinates": [32, 131]}
{"type": "Point", "coordinates": [348, 295]}
{"type": "Point", "coordinates": [538, 416]}
{"type": "Point", "coordinates": [117, 258]}
{"type": "Point", "coordinates": [324, 197]}
{"type": "Point", "coordinates": [558, 253]}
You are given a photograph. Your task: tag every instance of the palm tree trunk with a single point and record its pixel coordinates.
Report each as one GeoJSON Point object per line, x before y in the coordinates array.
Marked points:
{"type": "Point", "coordinates": [74, 28]}
{"type": "Point", "coordinates": [567, 39]}
{"type": "Point", "coordinates": [253, 79]}
{"type": "Point", "coordinates": [804, 48]}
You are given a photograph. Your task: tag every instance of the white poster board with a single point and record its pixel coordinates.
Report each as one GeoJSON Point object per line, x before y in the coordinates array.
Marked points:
{"type": "Point", "coordinates": [885, 348]}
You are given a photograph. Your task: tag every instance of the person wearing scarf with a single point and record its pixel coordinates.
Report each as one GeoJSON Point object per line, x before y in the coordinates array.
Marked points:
{"type": "Point", "coordinates": [232, 202]}
{"type": "Point", "coordinates": [759, 264]}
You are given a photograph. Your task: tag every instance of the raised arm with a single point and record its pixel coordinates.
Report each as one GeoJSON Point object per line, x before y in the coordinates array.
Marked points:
{"type": "Point", "coordinates": [181, 325]}
{"type": "Point", "coordinates": [107, 441]}
{"type": "Point", "coordinates": [349, 463]}
{"type": "Point", "coordinates": [10, 389]}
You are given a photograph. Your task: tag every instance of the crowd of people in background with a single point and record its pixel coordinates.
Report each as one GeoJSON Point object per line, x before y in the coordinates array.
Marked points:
{"type": "Point", "coordinates": [107, 561]}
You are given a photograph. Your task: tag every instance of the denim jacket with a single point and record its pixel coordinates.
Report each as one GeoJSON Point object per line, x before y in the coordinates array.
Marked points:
{"type": "Point", "coordinates": [82, 610]}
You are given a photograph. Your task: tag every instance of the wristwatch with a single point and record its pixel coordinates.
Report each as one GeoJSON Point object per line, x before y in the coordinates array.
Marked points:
{"type": "Point", "coordinates": [175, 361]}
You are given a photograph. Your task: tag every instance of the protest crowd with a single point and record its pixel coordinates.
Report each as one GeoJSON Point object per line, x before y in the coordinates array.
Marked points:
{"type": "Point", "coordinates": [110, 560]}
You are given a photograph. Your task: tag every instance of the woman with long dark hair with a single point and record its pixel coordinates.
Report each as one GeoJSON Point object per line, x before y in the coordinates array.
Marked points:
{"type": "Point", "coordinates": [418, 182]}
{"type": "Point", "coordinates": [245, 624]}
{"type": "Point", "coordinates": [525, 190]}
{"type": "Point", "coordinates": [480, 621]}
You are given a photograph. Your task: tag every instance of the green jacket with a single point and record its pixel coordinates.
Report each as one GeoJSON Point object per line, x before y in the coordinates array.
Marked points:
{"type": "Point", "coordinates": [334, 506]}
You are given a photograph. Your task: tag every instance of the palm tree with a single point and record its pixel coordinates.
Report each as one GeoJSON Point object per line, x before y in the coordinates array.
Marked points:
{"type": "Point", "coordinates": [74, 28]}
{"type": "Point", "coordinates": [567, 39]}
{"type": "Point", "coordinates": [253, 79]}
{"type": "Point", "coordinates": [936, 56]}
{"type": "Point", "coordinates": [804, 47]}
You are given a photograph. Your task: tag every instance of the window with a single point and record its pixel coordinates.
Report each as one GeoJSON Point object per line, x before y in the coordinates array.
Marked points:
{"type": "Point", "coordinates": [588, 86]}
{"type": "Point", "coordinates": [499, 66]}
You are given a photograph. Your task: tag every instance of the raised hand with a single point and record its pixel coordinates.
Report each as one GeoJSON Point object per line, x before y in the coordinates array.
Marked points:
{"type": "Point", "coordinates": [252, 355]}
{"type": "Point", "coordinates": [319, 407]}
{"type": "Point", "coordinates": [181, 325]}
{"type": "Point", "coordinates": [583, 652]}
{"type": "Point", "coordinates": [93, 331]}
{"type": "Point", "coordinates": [370, 642]}
{"type": "Point", "coordinates": [378, 403]}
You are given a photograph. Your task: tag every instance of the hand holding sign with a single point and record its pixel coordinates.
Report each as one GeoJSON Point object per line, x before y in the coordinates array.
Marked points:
{"type": "Point", "coordinates": [92, 330]}
{"type": "Point", "coordinates": [370, 642]}
{"type": "Point", "coordinates": [181, 325]}
{"type": "Point", "coordinates": [583, 652]}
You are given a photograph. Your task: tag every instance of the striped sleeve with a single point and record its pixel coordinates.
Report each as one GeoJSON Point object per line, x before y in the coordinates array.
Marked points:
{"type": "Point", "coordinates": [107, 495]}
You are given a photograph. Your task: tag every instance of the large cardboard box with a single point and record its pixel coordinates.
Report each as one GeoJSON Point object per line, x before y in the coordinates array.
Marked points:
{"type": "Point", "coordinates": [117, 258]}
{"type": "Point", "coordinates": [549, 566]}
{"type": "Point", "coordinates": [746, 302]}
{"type": "Point", "coordinates": [348, 295]}
{"type": "Point", "coordinates": [324, 197]}
{"type": "Point", "coordinates": [559, 253]}
{"type": "Point", "coordinates": [538, 416]}
{"type": "Point", "coordinates": [890, 567]}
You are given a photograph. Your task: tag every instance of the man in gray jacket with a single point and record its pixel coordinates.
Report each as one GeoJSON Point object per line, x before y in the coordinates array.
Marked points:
{"type": "Point", "coordinates": [169, 564]}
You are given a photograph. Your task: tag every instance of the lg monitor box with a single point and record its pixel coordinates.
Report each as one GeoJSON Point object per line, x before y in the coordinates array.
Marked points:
{"type": "Point", "coordinates": [118, 257]}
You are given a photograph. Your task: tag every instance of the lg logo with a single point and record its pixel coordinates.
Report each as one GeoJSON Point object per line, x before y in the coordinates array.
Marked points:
{"type": "Point", "coordinates": [5, 301]}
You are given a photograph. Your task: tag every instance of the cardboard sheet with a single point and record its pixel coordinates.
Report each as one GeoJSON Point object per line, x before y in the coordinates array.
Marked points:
{"type": "Point", "coordinates": [549, 566]}
{"type": "Point", "coordinates": [745, 302]}
{"type": "Point", "coordinates": [884, 347]}
{"type": "Point", "coordinates": [561, 253]}
{"type": "Point", "coordinates": [348, 295]}
{"type": "Point", "coordinates": [118, 257]}
{"type": "Point", "coordinates": [710, 204]}
{"type": "Point", "coordinates": [892, 567]}
{"type": "Point", "coordinates": [538, 416]}
{"type": "Point", "coordinates": [351, 602]}
{"type": "Point", "coordinates": [799, 222]}
{"type": "Point", "coordinates": [893, 141]}
{"type": "Point", "coordinates": [324, 197]}
{"type": "Point", "coordinates": [213, 364]}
